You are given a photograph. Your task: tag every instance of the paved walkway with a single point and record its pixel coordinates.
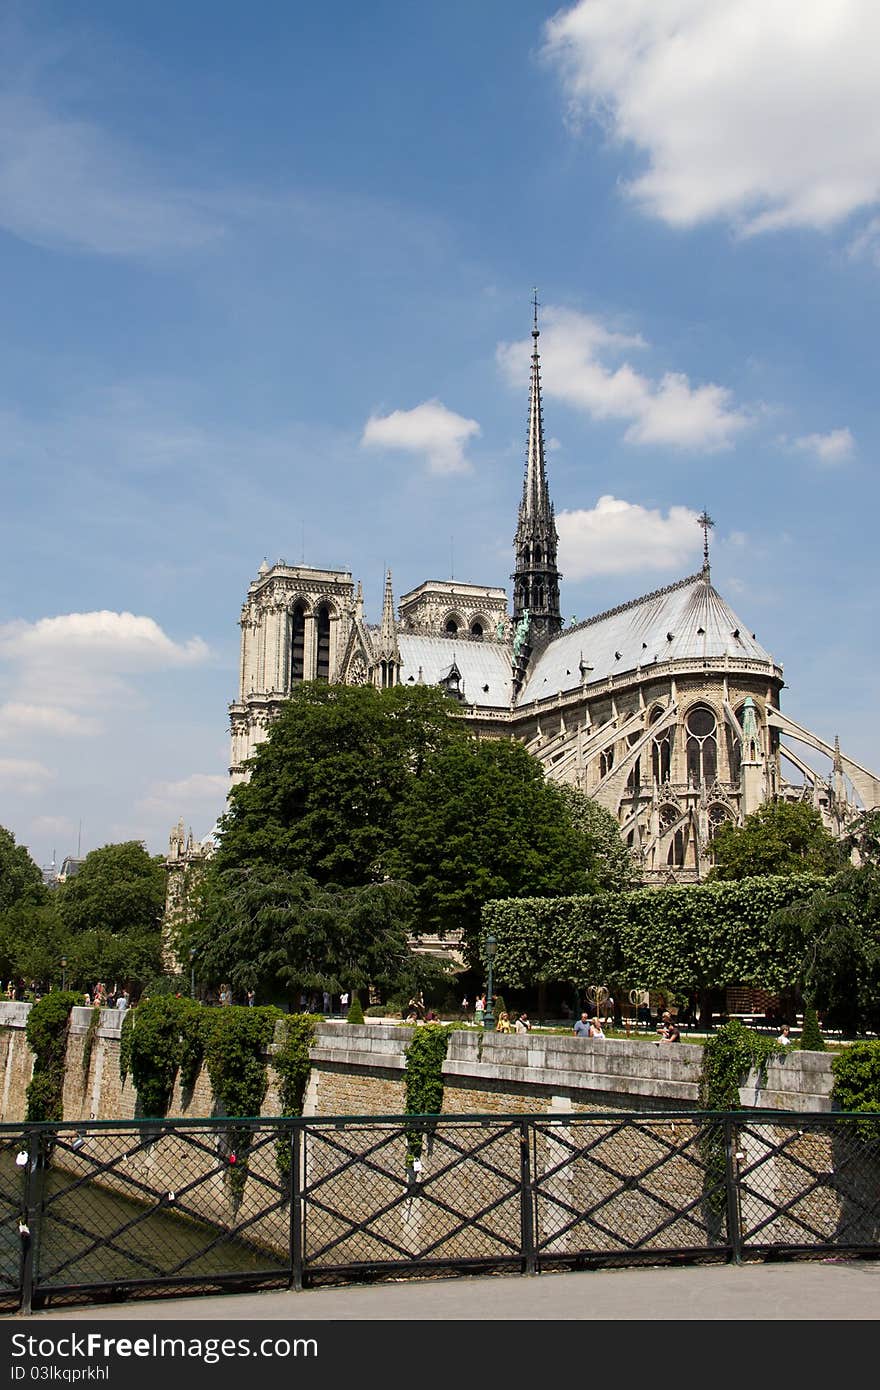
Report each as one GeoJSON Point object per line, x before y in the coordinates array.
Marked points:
{"type": "Point", "coordinates": [827, 1290]}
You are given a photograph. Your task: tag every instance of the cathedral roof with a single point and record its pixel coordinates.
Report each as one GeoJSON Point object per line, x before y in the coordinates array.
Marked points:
{"type": "Point", "coordinates": [685, 621]}
{"type": "Point", "coordinates": [484, 666]}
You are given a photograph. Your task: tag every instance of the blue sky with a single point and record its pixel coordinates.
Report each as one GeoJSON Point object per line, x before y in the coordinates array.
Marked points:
{"type": "Point", "coordinates": [266, 275]}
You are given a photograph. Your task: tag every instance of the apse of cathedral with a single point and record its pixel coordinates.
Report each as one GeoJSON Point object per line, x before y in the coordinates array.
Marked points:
{"type": "Point", "coordinates": [665, 709]}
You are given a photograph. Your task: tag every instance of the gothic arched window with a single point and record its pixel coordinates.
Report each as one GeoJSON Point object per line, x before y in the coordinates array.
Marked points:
{"type": "Point", "coordinates": [661, 751]}
{"type": "Point", "coordinates": [322, 634]}
{"type": "Point", "coordinates": [451, 626]}
{"type": "Point", "coordinates": [297, 643]}
{"type": "Point", "coordinates": [718, 815]}
{"type": "Point", "coordinates": [477, 630]}
{"type": "Point", "coordinates": [702, 745]}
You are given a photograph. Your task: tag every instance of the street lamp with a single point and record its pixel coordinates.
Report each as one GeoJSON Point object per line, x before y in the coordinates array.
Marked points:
{"type": "Point", "coordinates": [64, 972]}
{"type": "Point", "coordinates": [489, 946]}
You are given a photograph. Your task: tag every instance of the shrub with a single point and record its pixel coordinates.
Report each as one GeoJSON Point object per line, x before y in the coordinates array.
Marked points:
{"type": "Point", "coordinates": [857, 1084]}
{"type": "Point", "coordinates": [355, 1013]}
{"type": "Point", "coordinates": [811, 1036]}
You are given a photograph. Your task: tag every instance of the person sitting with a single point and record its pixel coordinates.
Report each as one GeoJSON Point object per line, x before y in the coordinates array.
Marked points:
{"type": "Point", "coordinates": [671, 1031]}
{"type": "Point", "coordinates": [522, 1024]}
{"type": "Point", "coordinates": [504, 1024]}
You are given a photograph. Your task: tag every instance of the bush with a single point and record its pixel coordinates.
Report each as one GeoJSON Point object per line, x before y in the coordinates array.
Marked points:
{"type": "Point", "coordinates": [857, 1078]}
{"type": "Point", "coordinates": [811, 1036]}
{"type": "Point", "coordinates": [355, 1013]}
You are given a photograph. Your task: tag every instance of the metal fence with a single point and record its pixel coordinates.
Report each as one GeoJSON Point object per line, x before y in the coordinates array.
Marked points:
{"type": "Point", "coordinates": [118, 1209]}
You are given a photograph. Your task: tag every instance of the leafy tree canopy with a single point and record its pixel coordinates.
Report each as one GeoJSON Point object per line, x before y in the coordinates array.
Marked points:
{"type": "Point", "coordinates": [118, 889]}
{"type": "Point", "coordinates": [20, 877]}
{"type": "Point", "coordinates": [276, 932]}
{"type": "Point", "coordinates": [325, 784]}
{"type": "Point", "coordinates": [481, 822]}
{"type": "Point", "coordinates": [614, 867]}
{"type": "Point", "coordinates": [782, 837]}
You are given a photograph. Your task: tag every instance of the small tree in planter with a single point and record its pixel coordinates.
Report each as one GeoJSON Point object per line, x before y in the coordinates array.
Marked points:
{"type": "Point", "coordinates": [355, 1013]}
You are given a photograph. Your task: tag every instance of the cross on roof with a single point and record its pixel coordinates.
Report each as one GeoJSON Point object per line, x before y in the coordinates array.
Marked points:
{"type": "Point", "coordinates": [705, 520]}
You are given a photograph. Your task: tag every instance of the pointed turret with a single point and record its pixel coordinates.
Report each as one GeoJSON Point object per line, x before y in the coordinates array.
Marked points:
{"type": "Point", "coordinates": [536, 578]}
{"type": "Point", "coordinates": [388, 663]}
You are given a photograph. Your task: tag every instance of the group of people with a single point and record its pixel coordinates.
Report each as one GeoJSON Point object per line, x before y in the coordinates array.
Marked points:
{"type": "Point", "coordinates": [103, 998]}
{"type": "Point", "coordinates": [521, 1024]}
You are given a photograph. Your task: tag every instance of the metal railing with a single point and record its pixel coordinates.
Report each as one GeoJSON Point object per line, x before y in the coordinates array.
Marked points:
{"type": "Point", "coordinates": [117, 1209]}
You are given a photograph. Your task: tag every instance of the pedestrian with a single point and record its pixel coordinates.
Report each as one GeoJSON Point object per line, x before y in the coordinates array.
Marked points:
{"type": "Point", "coordinates": [87, 1000]}
{"type": "Point", "coordinates": [251, 998]}
{"type": "Point", "coordinates": [479, 1008]}
{"type": "Point", "coordinates": [122, 1003]}
{"type": "Point", "coordinates": [784, 1039]}
{"type": "Point", "coordinates": [594, 1029]}
{"type": "Point", "coordinates": [327, 1002]}
{"type": "Point", "coordinates": [582, 1026]}
{"type": "Point", "coordinates": [343, 1002]}
{"type": "Point", "coordinates": [465, 1005]}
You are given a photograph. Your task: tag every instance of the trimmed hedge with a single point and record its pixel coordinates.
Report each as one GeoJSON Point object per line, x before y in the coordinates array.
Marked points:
{"type": "Point", "coordinates": [695, 936]}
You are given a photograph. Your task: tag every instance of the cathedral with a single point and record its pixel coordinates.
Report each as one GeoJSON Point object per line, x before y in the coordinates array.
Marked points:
{"type": "Point", "coordinates": [664, 709]}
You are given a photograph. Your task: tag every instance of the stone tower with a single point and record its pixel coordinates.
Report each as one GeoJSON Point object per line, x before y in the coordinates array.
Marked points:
{"type": "Point", "coordinates": [536, 578]}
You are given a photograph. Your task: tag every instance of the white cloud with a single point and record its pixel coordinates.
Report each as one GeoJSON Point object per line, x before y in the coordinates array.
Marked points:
{"type": "Point", "coordinates": [204, 791]}
{"type": "Point", "coordinates": [25, 776]}
{"type": "Point", "coordinates": [122, 640]}
{"type": "Point", "coordinates": [763, 112]}
{"type": "Point", "coordinates": [836, 447]}
{"type": "Point", "coordinates": [668, 411]}
{"type": "Point", "coordinates": [66, 183]}
{"type": "Point", "coordinates": [47, 719]}
{"type": "Point", "coordinates": [430, 429]}
{"type": "Point", "coordinates": [618, 537]}
{"type": "Point", "coordinates": [65, 673]}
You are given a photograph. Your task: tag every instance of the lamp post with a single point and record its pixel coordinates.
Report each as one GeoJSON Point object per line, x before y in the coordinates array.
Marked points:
{"type": "Point", "coordinates": [489, 945]}
{"type": "Point", "coordinates": [64, 972]}
{"type": "Point", "coordinates": [192, 972]}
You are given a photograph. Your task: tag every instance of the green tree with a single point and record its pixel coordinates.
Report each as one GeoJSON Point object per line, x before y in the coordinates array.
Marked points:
{"type": "Point", "coordinates": [119, 888]}
{"type": "Point", "coordinates": [325, 784]}
{"type": "Point", "coordinates": [20, 877]}
{"type": "Point", "coordinates": [33, 940]}
{"type": "Point", "coordinates": [614, 866]}
{"type": "Point", "coordinates": [834, 935]}
{"type": "Point", "coordinates": [279, 933]}
{"type": "Point", "coordinates": [782, 837]}
{"type": "Point", "coordinates": [481, 822]}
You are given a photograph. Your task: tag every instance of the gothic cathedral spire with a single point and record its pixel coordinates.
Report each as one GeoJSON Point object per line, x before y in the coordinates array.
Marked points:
{"type": "Point", "coordinates": [536, 579]}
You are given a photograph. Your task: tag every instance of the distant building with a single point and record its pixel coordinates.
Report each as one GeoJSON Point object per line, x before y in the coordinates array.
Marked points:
{"type": "Point", "coordinates": [70, 867]}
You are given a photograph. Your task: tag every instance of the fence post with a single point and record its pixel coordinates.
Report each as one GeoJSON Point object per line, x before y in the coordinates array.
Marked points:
{"type": "Point", "coordinates": [731, 1176]}
{"type": "Point", "coordinates": [296, 1206]}
{"type": "Point", "coordinates": [30, 1214]}
{"type": "Point", "coordinates": [526, 1218]}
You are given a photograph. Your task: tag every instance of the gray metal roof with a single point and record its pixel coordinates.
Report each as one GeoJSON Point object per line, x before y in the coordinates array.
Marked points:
{"type": "Point", "coordinates": [686, 621]}
{"type": "Point", "coordinates": [484, 666]}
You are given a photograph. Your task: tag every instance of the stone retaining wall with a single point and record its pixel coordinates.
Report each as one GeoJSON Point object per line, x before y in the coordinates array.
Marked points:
{"type": "Point", "coordinates": [359, 1070]}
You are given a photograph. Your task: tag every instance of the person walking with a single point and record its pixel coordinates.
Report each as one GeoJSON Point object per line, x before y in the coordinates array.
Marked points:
{"type": "Point", "coordinates": [582, 1026]}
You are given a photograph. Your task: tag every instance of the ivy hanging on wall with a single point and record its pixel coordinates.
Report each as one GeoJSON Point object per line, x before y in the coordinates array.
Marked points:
{"type": "Point", "coordinates": [46, 1031]}
{"type": "Point", "coordinates": [423, 1081]}
{"type": "Point", "coordinates": [89, 1044]}
{"type": "Point", "coordinates": [728, 1057]}
{"type": "Point", "coordinates": [158, 1038]}
{"type": "Point", "coordinates": [293, 1065]}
